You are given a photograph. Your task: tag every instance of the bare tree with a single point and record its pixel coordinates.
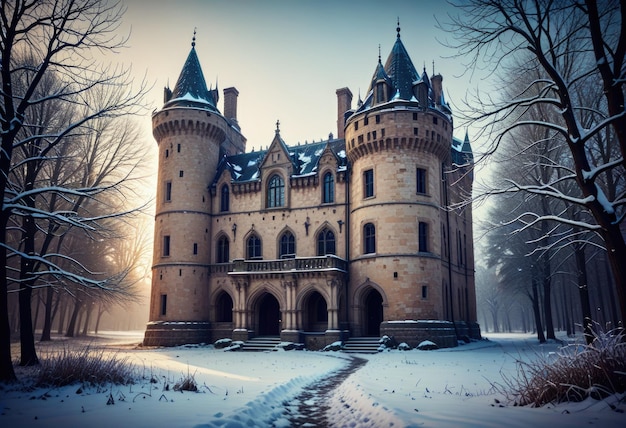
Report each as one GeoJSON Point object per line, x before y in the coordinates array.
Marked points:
{"type": "Point", "coordinates": [577, 44]}
{"type": "Point", "coordinates": [62, 36]}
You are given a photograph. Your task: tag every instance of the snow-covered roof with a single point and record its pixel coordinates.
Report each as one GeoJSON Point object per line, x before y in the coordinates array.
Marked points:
{"type": "Point", "coordinates": [191, 89]}
{"type": "Point", "coordinates": [304, 158]}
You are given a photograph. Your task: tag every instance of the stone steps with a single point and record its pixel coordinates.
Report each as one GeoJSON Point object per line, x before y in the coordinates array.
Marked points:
{"type": "Point", "coordinates": [361, 345]}
{"type": "Point", "coordinates": [261, 344]}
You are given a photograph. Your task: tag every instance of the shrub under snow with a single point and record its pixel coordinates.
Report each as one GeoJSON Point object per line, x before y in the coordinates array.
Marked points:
{"type": "Point", "coordinates": [84, 365]}
{"type": "Point", "coordinates": [574, 373]}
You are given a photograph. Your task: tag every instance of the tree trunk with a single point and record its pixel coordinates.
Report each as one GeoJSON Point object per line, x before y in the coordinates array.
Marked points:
{"type": "Point", "coordinates": [566, 319]}
{"type": "Point", "coordinates": [7, 373]}
{"type": "Point", "coordinates": [547, 307]}
{"type": "Point", "coordinates": [609, 280]}
{"type": "Point", "coordinates": [583, 290]}
{"type": "Point", "coordinates": [88, 311]}
{"type": "Point", "coordinates": [62, 316]}
{"type": "Point", "coordinates": [27, 335]}
{"type": "Point", "coordinates": [101, 312]}
{"type": "Point", "coordinates": [37, 306]}
{"type": "Point", "coordinates": [535, 301]}
{"type": "Point", "coordinates": [47, 317]}
{"type": "Point", "coordinates": [71, 327]}
{"type": "Point", "coordinates": [537, 312]}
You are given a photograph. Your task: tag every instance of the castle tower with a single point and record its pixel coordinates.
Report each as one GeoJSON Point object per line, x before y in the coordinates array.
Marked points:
{"type": "Point", "coordinates": [397, 141]}
{"type": "Point", "coordinates": [191, 134]}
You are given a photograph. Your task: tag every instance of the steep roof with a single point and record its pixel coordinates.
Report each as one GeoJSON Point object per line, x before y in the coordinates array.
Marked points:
{"type": "Point", "coordinates": [191, 89]}
{"type": "Point", "coordinates": [304, 158]}
{"type": "Point", "coordinates": [401, 69]}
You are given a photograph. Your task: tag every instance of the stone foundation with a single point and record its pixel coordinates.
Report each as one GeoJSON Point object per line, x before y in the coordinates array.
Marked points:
{"type": "Point", "coordinates": [174, 333]}
{"type": "Point", "coordinates": [414, 332]}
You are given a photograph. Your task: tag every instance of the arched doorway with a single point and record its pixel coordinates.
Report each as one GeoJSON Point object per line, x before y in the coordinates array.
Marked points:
{"type": "Point", "coordinates": [373, 316]}
{"type": "Point", "coordinates": [268, 316]}
{"type": "Point", "coordinates": [316, 313]}
{"type": "Point", "coordinates": [224, 308]}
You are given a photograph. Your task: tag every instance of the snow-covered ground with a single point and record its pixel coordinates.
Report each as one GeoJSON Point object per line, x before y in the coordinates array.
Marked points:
{"type": "Point", "coordinates": [442, 388]}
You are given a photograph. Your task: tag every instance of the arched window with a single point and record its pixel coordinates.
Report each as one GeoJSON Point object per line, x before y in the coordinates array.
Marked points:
{"type": "Point", "coordinates": [253, 247]}
{"type": "Point", "coordinates": [369, 238]}
{"type": "Point", "coordinates": [287, 245]}
{"type": "Point", "coordinates": [329, 189]}
{"type": "Point", "coordinates": [223, 250]}
{"type": "Point", "coordinates": [275, 192]}
{"type": "Point", "coordinates": [326, 242]}
{"type": "Point", "coordinates": [224, 199]}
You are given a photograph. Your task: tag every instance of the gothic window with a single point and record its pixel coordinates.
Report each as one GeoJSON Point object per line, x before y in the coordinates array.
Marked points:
{"type": "Point", "coordinates": [287, 245]}
{"type": "Point", "coordinates": [223, 250]}
{"type": "Point", "coordinates": [422, 237]}
{"type": "Point", "coordinates": [253, 247]}
{"type": "Point", "coordinates": [369, 238]}
{"type": "Point", "coordinates": [368, 183]}
{"type": "Point", "coordinates": [421, 180]}
{"type": "Point", "coordinates": [276, 192]}
{"type": "Point", "coordinates": [326, 242]}
{"type": "Point", "coordinates": [329, 188]}
{"type": "Point", "coordinates": [224, 198]}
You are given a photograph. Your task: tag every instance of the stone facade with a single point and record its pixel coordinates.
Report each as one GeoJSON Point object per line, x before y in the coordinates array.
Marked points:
{"type": "Point", "coordinates": [353, 236]}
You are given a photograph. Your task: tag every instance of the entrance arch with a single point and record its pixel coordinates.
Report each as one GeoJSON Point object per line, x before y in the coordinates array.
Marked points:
{"type": "Point", "coordinates": [268, 316]}
{"type": "Point", "coordinates": [373, 313]}
{"type": "Point", "coordinates": [316, 313]}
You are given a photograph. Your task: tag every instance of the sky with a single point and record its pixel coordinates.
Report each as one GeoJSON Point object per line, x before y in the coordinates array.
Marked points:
{"type": "Point", "coordinates": [286, 58]}
{"type": "Point", "coordinates": [445, 388]}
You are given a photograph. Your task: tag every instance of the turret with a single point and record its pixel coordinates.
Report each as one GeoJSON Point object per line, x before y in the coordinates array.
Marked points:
{"type": "Point", "coordinates": [191, 134]}
{"type": "Point", "coordinates": [396, 142]}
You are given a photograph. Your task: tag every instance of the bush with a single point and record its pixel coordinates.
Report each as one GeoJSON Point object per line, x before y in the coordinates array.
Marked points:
{"type": "Point", "coordinates": [223, 343]}
{"type": "Point", "coordinates": [84, 365]}
{"type": "Point", "coordinates": [574, 373]}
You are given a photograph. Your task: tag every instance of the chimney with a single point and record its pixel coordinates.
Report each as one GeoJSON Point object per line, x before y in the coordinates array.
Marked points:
{"type": "Point", "coordinates": [435, 81]}
{"type": "Point", "coordinates": [230, 104]}
{"type": "Point", "coordinates": [344, 103]}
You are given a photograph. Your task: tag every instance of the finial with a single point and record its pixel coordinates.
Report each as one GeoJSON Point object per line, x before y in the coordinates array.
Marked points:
{"type": "Point", "coordinates": [398, 27]}
{"type": "Point", "coordinates": [379, 52]}
{"type": "Point", "coordinates": [433, 67]}
{"type": "Point", "coordinates": [193, 40]}
{"type": "Point", "coordinates": [278, 126]}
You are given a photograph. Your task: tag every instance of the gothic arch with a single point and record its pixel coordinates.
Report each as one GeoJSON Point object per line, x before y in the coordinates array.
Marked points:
{"type": "Point", "coordinates": [369, 303]}
{"type": "Point", "coordinates": [362, 289]}
{"type": "Point", "coordinates": [306, 292]}
{"type": "Point", "coordinates": [266, 288]}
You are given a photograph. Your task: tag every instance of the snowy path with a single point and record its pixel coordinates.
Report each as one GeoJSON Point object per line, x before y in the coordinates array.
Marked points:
{"type": "Point", "coordinates": [312, 405]}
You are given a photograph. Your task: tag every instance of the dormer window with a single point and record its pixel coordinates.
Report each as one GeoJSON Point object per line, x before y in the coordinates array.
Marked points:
{"type": "Point", "coordinates": [380, 93]}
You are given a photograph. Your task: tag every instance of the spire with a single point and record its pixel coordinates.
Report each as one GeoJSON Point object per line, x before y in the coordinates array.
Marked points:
{"type": "Point", "coordinates": [400, 68]}
{"type": "Point", "coordinates": [191, 89]}
{"type": "Point", "coordinates": [277, 126]}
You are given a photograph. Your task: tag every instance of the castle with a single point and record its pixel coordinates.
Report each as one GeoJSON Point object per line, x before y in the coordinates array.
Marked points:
{"type": "Point", "coordinates": [315, 243]}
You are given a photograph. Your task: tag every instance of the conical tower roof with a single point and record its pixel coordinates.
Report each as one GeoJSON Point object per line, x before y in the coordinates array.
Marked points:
{"type": "Point", "coordinates": [401, 70]}
{"type": "Point", "coordinates": [191, 89]}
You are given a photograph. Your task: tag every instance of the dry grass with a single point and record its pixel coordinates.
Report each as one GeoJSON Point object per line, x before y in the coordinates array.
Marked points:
{"type": "Point", "coordinates": [574, 373]}
{"type": "Point", "coordinates": [84, 365]}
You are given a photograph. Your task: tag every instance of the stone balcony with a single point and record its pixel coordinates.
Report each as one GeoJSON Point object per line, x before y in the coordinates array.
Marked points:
{"type": "Point", "coordinates": [329, 263]}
